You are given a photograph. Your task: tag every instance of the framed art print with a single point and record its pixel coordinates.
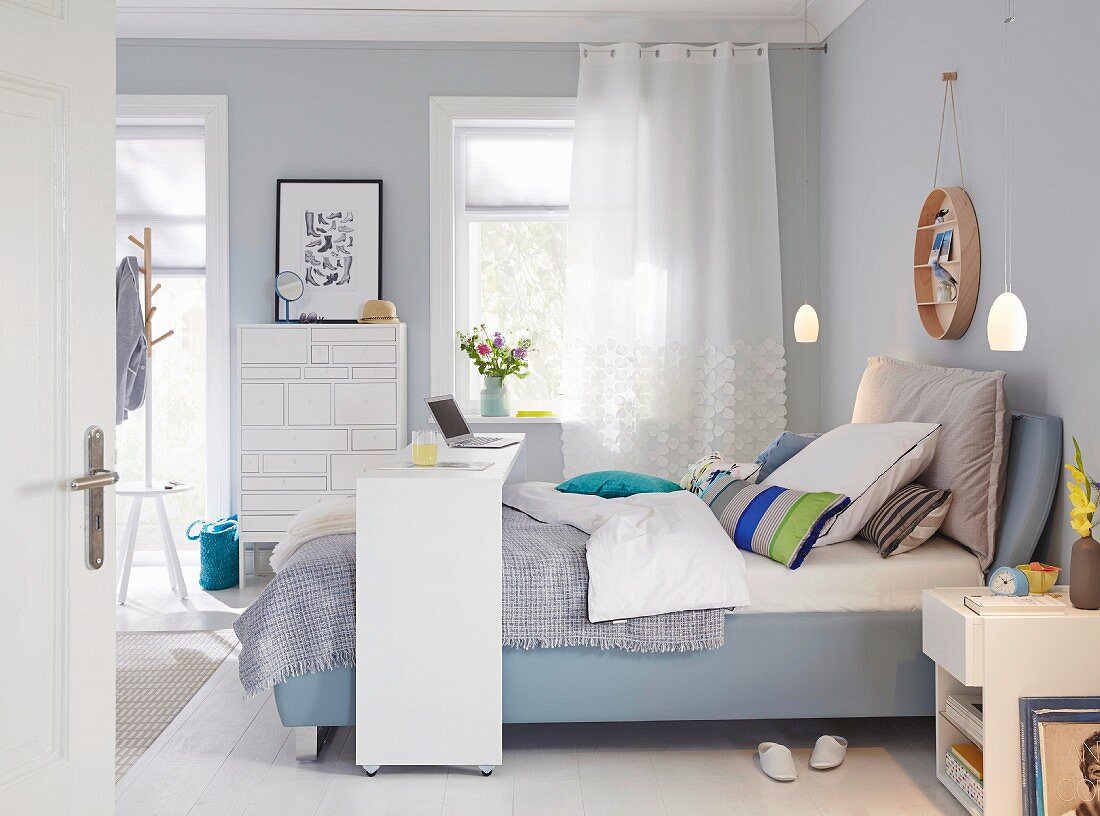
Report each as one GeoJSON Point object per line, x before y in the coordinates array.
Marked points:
{"type": "Point", "coordinates": [329, 233]}
{"type": "Point", "coordinates": [1060, 746]}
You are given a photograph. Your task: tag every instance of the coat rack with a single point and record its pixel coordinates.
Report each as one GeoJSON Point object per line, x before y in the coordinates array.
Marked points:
{"type": "Point", "coordinates": [146, 269]}
{"type": "Point", "coordinates": [138, 491]}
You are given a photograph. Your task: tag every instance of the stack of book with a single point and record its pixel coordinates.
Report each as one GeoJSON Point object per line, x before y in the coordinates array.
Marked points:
{"type": "Point", "coordinates": [963, 764]}
{"type": "Point", "coordinates": [964, 711]}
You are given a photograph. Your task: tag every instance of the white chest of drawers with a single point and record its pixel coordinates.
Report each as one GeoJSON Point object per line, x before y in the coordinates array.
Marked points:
{"type": "Point", "coordinates": [320, 404]}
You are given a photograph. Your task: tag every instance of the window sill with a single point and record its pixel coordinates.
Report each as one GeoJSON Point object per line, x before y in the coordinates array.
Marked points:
{"type": "Point", "coordinates": [475, 419]}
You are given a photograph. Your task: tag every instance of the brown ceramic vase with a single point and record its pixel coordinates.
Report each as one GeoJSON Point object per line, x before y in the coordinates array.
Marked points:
{"type": "Point", "coordinates": [1084, 573]}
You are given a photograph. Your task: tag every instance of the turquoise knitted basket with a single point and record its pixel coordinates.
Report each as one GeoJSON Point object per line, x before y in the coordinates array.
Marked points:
{"type": "Point", "coordinates": [217, 552]}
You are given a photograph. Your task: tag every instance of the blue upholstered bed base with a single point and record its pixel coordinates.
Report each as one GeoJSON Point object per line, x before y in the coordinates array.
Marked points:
{"type": "Point", "coordinates": [834, 664]}
{"type": "Point", "coordinates": [826, 664]}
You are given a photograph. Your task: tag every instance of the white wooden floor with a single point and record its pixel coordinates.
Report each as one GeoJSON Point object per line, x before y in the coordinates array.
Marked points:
{"type": "Point", "coordinates": [227, 756]}
{"type": "Point", "coordinates": [151, 606]}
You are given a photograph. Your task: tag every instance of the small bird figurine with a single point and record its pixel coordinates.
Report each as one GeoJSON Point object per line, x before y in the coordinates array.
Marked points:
{"type": "Point", "coordinates": [947, 288]}
{"type": "Point", "coordinates": [942, 274]}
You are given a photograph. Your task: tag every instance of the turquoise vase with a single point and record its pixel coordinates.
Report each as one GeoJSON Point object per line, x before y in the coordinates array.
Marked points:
{"type": "Point", "coordinates": [494, 399]}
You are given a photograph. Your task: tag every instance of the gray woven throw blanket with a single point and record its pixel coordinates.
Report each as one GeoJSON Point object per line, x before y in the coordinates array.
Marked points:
{"type": "Point", "coordinates": [304, 620]}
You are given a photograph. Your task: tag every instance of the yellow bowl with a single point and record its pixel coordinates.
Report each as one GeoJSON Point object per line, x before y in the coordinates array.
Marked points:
{"type": "Point", "coordinates": [1039, 583]}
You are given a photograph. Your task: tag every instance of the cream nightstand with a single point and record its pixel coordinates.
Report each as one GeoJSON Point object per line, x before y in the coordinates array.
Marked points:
{"type": "Point", "coordinates": [1004, 658]}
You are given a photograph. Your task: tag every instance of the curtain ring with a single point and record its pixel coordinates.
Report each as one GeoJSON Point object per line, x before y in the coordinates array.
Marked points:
{"type": "Point", "coordinates": [759, 52]}
{"type": "Point", "coordinates": [612, 52]}
{"type": "Point", "coordinates": [733, 51]}
{"type": "Point", "coordinates": [714, 53]}
{"type": "Point", "coordinates": [658, 54]}
{"type": "Point", "coordinates": [586, 53]}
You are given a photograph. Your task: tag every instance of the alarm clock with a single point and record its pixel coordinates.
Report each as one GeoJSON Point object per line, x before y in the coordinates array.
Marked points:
{"type": "Point", "coordinates": [1008, 581]}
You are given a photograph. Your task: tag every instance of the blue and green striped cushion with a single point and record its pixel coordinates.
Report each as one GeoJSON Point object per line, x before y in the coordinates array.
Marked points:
{"type": "Point", "coordinates": [772, 521]}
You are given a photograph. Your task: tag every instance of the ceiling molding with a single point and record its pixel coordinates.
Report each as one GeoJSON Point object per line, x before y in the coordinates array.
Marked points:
{"type": "Point", "coordinates": [827, 15]}
{"type": "Point", "coordinates": [484, 21]}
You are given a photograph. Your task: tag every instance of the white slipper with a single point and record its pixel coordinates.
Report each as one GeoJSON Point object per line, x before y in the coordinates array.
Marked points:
{"type": "Point", "coordinates": [828, 752]}
{"type": "Point", "coordinates": [777, 762]}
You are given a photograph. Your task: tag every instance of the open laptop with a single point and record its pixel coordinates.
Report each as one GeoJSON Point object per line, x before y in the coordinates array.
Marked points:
{"type": "Point", "coordinates": [452, 424]}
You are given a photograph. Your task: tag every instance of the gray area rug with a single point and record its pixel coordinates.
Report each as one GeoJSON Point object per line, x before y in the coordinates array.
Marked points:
{"type": "Point", "coordinates": [156, 675]}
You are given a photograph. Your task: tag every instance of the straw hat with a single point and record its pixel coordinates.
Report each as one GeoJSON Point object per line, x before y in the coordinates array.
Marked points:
{"type": "Point", "coordinates": [379, 311]}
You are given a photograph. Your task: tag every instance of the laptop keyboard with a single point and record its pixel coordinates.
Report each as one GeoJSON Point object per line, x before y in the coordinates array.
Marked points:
{"type": "Point", "coordinates": [479, 440]}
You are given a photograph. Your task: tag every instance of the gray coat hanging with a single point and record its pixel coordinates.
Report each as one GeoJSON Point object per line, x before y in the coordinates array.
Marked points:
{"type": "Point", "coordinates": [130, 342]}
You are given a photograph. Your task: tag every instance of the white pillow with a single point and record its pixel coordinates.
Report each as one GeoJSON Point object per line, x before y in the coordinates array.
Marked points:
{"type": "Point", "coordinates": [866, 462]}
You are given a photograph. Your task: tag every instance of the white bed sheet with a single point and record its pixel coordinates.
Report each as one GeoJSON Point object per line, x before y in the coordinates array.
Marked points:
{"type": "Point", "coordinates": [850, 576]}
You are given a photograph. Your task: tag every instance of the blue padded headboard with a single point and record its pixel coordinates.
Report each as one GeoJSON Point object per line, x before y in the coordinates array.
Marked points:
{"type": "Point", "coordinates": [1034, 466]}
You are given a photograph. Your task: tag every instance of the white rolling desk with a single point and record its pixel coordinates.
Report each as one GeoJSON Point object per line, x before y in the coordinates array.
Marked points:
{"type": "Point", "coordinates": [428, 611]}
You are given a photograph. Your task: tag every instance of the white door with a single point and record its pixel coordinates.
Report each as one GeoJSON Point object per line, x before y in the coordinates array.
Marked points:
{"type": "Point", "coordinates": [57, 349]}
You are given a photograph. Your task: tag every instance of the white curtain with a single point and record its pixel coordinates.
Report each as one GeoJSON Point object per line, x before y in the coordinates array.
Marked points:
{"type": "Point", "coordinates": [673, 307]}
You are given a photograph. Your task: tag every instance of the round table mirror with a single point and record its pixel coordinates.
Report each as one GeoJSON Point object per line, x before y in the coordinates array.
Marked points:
{"type": "Point", "coordinates": [288, 288]}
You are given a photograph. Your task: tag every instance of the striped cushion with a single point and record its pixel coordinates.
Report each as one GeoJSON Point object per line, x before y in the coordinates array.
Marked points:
{"type": "Point", "coordinates": [909, 518]}
{"type": "Point", "coordinates": [773, 521]}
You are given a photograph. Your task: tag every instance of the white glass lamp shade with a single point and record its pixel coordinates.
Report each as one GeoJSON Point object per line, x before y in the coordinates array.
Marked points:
{"type": "Point", "coordinates": [1007, 325]}
{"type": "Point", "coordinates": [805, 324]}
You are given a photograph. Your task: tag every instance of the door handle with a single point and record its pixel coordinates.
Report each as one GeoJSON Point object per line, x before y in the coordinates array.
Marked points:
{"type": "Point", "coordinates": [94, 481]}
{"type": "Point", "coordinates": [97, 478]}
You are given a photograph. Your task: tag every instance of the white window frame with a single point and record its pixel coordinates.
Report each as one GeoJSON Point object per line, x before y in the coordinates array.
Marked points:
{"type": "Point", "coordinates": [213, 112]}
{"type": "Point", "coordinates": [446, 292]}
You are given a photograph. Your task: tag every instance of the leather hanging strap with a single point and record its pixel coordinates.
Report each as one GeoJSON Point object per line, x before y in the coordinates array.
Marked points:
{"type": "Point", "coordinates": [949, 88]}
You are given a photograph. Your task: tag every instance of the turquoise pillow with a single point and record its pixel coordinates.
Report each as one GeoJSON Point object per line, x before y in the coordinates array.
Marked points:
{"type": "Point", "coordinates": [616, 484]}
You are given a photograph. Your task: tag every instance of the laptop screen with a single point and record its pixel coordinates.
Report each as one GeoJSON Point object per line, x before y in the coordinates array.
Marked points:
{"type": "Point", "coordinates": [449, 417]}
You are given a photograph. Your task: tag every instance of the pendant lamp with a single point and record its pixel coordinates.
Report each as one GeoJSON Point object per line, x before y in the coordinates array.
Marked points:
{"type": "Point", "coordinates": [806, 325]}
{"type": "Point", "coordinates": [1006, 327]}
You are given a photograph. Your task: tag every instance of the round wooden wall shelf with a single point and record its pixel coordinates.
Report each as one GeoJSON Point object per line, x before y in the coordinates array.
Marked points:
{"type": "Point", "coordinates": [947, 321]}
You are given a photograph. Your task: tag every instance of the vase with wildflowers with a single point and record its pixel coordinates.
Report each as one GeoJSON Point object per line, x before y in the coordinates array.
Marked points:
{"type": "Point", "coordinates": [1084, 563]}
{"type": "Point", "coordinates": [495, 359]}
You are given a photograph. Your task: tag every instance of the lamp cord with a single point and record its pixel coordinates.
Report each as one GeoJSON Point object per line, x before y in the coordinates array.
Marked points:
{"type": "Point", "coordinates": [1009, 17]}
{"type": "Point", "coordinates": [805, 154]}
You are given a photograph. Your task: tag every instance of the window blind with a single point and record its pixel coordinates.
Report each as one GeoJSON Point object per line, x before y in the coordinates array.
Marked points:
{"type": "Point", "coordinates": [161, 183]}
{"type": "Point", "coordinates": [518, 169]}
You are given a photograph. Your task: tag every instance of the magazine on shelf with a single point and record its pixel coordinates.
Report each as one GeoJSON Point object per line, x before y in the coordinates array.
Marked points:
{"type": "Point", "coordinates": [964, 711]}
{"type": "Point", "coordinates": [945, 245]}
{"type": "Point", "coordinates": [1016, 604]}
{"type": "Point", "coordinates": [937, 242]}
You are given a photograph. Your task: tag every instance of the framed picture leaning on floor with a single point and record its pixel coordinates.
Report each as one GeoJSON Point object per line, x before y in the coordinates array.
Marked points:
{"type": "Point", "coordinates": [1060, 745]}
{"type": "Point", "coordinates": [329, 233]}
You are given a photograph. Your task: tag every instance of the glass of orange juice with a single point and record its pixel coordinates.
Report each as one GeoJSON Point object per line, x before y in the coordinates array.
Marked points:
{"type": "Point", "coordinates": [425, 452]}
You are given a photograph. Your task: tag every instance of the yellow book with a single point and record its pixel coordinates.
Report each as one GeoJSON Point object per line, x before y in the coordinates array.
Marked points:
{"type": "Point", "coordinates": [536, 414]}
{"type": "Point", "coordinates": [970, 755]}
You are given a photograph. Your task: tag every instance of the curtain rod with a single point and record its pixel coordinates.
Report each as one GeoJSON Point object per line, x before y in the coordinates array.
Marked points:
{"type": "Point", "coordinates": [823, 48]}
{"type": "Point", "coordinates": [380, 45]}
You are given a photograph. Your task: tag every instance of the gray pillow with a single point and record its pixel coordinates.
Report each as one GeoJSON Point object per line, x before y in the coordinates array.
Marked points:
{"type": "Point", "coordinates": [972, 450]}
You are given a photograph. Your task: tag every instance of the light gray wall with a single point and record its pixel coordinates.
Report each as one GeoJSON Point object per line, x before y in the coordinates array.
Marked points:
{"type": "Point", "coordinates": [360, 110]}
{"type": "Point", "coordinates": [881, 96]}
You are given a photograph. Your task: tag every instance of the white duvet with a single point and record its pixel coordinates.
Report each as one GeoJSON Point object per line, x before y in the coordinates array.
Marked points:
{"type": "Point", "coordinates": [647, 554]}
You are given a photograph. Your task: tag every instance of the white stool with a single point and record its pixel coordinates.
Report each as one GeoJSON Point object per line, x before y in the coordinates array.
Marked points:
{"type": "Point", "coordinates": [139, 491]}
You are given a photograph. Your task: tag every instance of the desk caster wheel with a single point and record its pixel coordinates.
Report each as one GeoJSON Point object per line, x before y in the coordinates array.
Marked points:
{"type": "Point", "coordinates": [371, 770]}
{"type": "Point", "coordinates": [486, 770]}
